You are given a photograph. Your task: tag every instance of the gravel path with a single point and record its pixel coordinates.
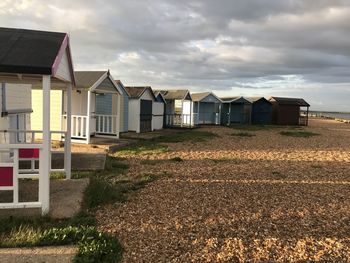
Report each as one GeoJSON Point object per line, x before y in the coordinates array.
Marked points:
{"type": "Point", "coordinates": [262, 198]}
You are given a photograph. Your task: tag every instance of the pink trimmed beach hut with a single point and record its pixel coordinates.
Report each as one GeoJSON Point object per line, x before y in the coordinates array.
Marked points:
{"type": "Point", "coordinates": [39, 59]}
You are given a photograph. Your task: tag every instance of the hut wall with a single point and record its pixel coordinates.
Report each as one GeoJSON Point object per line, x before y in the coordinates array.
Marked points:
{"type": "Point", "coordinates": [286, 114]}
{"type": "Point", "coordinates": [261, 112]}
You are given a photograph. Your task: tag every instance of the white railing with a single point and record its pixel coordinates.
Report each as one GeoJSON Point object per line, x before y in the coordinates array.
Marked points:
{"type": "Point", "coordinates": [10, 174]}
{"type": "Point", "coordinates": [106, 124]}
{"type": "Point", "coordinates": [78, 126]}
{"type": "Point", "coordinates": [181, 120]}
{"type": "Point", "coordinates": [28, 138]}
{"type": "Point", "coordinates": [208, 118]}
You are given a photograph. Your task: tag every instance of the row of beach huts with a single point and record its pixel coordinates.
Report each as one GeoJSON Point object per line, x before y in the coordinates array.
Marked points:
{"type": "Point", "coordinates": [104, 106]}
{"type": "Point", "coordinates": [42, 98]}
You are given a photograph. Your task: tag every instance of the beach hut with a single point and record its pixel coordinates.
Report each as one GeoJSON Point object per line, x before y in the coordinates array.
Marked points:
{"type": "Point", "coordinates": [104, 104]}
{"type": "Point", "coordinates": [159, 111]}
{"type": "Point", "coordinates": [178, 109]}
{"type": "Point", "coordinates": [141, 106]}
{"type": "Point", "coordinates": [287, 111]}
{"type": "Point", "coordinates": [261, 110]}
{"type": "Point", "coordinates": [236, 110]}
{"type": "Point", "coordinates": [206, 107]}
{"type": "Point", "coordinates": [90, 117]}
{"type": "Point", "coordinates": [42, 60]}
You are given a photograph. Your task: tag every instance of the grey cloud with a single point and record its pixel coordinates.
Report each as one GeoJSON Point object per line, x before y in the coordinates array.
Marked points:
{"type": "Point", "coordinates": [227, 45]}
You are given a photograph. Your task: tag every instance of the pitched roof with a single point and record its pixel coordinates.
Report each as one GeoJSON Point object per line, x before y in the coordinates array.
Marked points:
{"type": "Point", "coordinates": [199, 96]}
{"type": "Point", "coordinates": [230, 99]}
{"type": "Point", "coordinates": [174, 94]}
{"type": "Point", "coordinates": [157, 94]}
{"type": "Point", "coordinates": [290, 101]}
{"type": "Point", "coordinates": [121, 85]}
{"type": "Point", "coordinates": [136, 92]}
{"type": "Point", "coordinates": [85, 79]}
{"type": "Point", "coordinates": [255, 99]}
{"type": "Point", "coordinates": [29, 51]}
{"type": "Point", "coordinates": [238, 99]}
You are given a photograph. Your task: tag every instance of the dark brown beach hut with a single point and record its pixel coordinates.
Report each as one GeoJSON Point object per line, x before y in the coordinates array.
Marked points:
{"type": "Point", "coordinates": [287, 111]}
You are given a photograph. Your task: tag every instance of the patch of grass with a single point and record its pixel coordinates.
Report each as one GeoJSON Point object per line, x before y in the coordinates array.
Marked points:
{"type": "Point", "coordinates": [182, 136]}
{"type": "Point", "coordinates": [93, 246]}
{"type": "Point", "coordinates": [316, 166]}
{"type": "Point", "coordinates": [156, 145]}
{"type": "Point", "coordinates": [116, 165]}
{"type": "Point", "coordinates": [176, 159]}
{"type": "Point", "coordinates": [75, 175]}
{"type": "Point", "coordinates": [247, 127]}
{"type": "Point", "coordinates": [100, 192]}
{"type": "Point", "coordinates": [243, 134]}
{"type": "Point", "coordinates": [143, 147]}
{"type": "Point", "coordinates": [299, 134]}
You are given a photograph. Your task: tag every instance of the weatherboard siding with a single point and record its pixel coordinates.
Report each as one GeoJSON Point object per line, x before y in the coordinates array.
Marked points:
{"type": "Point", "coordinates": [134, 115]}
{"type": "Point", "coordinates": [158, 115]}
{"type": "Point", "coordinates": [55, 112]}
{"type": "Point", "coordinates": [104, 104]}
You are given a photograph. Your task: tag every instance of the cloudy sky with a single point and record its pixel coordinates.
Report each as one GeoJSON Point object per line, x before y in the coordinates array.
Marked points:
{"type": "Point", "coordinates": [298, 48]}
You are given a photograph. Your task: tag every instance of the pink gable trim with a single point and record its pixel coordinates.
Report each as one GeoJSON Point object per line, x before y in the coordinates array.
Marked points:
{"type": "Point", "coordinates": [64, 47]}
{"type": "Point", "coordinates": [6, 176]}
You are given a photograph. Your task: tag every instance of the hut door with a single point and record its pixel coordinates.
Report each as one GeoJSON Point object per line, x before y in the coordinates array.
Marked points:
{"type": "Point", "coordinates": [146, 116]}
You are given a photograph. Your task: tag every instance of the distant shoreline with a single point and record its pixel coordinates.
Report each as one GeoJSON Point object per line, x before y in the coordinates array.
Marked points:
{"type": "Point", "coordinates": [338, 116]}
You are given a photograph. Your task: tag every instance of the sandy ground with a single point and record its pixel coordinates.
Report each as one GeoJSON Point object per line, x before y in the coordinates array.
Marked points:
{"type": "Point", "coordinates": [263, 198]}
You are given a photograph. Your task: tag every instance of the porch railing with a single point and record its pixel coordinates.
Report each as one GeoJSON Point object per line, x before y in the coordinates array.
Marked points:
{"type": "Point", "coordinates": [29, 137]}
{"type": "Point", "coordinates": [181, 120]}
{"type": "Point", "coordinates": [10, 175]}
{"type": "Point", "coordinates": [208, 118]}
{"type": "Point", "coordinates": [106, 124]}
{"type": "Point", "coordinates": [78, 125]}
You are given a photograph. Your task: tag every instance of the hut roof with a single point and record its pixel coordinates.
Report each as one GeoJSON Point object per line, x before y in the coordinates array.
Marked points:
{"type": "Point", "coordinates": [199, 96]}
{"type": "Point", "coordinates": [86, 79]}
{"type": "Point", "coordinates": [256, 99]}
{"type": "Point", "coordinates": [290, 101]}
{"type": "Point", "coordinates": [238, 99]}
{"type": "Point", "coordinates": [136, 92]}
{"type": "Point", "coordinates": [174, 94]}
{"type": "Point", "coordinates": [29, 51]}
{"type": "Point", "coordinates": [157, 94]}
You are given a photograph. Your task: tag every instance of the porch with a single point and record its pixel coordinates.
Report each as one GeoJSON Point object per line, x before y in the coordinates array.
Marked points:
{"type": "Point", "coordinates": [95, 107]}
{"type": "Point", "coordinates": [181, 120]}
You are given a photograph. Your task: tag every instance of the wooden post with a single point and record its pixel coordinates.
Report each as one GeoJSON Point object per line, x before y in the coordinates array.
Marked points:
{"type": "Point", "coordinates": [191, 105]}
{"type": "Point", "coordinates": [118, 114]}
{"type": "Point", "coordinates": [15, 176]}
{"type": "Point", "coordinates": [44, 162]}
{"type": "Point", "coordinates": [229, 115]}
{"type": "Point", "coordinates": [307, 116]}
{"type": "Point", "coordinates": [182, 112]}
{"type": "Point", "coordinates": [68, 137]}
{"type": "Point", "coordinates": [198, 112]}
{"type": "Point", "coordinates": [219, 118]}
{"type": "Point", "coordinates": [88, 117]}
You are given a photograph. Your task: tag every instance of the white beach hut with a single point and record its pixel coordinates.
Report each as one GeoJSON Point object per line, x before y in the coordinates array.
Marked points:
{"type": "Point", "coordinates": [42, 60]}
